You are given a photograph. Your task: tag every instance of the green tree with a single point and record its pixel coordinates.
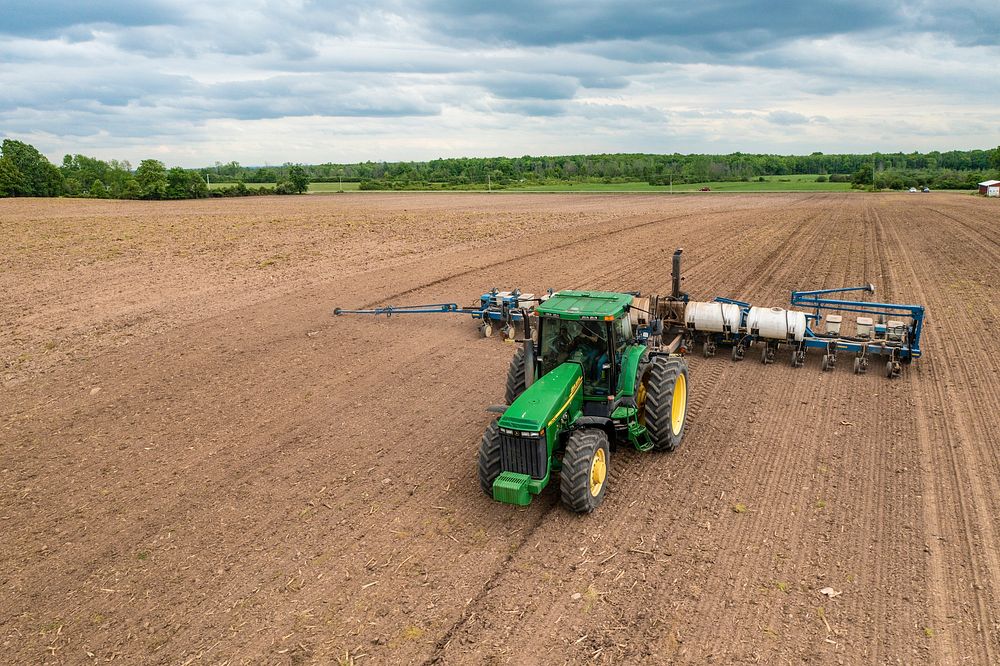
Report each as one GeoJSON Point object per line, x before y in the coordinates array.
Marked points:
{"type": "Point", "coordinates": [98, 190]}
{"type": "Point", "coordinates": [131, 189]}
{"type": "Point", "coordinates": [183, 184]}
{"type": "Point", "coordinates": [298, 178]}
{"type": "Point", "coordinates": [152, 178]}
{"type": "Point", "coordinates": [40, 177]}
{"type": "Point", "coordinates": [12, 182]}
{"type": "Point", "coordinates": [863, 176]}
{"type": "Point", "coordinates": [995, 158]}
{"type": "Point", "coordinates": [177, 184]}
{"type": "Point", "coordinates": [71, 186]}
{"type": "Point", "coordinates": [197, 187]}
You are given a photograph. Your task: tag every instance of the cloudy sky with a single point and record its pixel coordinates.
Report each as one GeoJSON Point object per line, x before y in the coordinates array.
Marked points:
{"type": "Point", "coordinates": [192, 83]}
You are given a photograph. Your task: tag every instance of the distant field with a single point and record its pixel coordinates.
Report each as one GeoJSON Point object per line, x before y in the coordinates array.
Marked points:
{"type": "Point", "coordinates": [798, 183]}
{"type": "Point", "coordinates": [313, 187]}
{"type": "Point", "coordinates": [333, 187]}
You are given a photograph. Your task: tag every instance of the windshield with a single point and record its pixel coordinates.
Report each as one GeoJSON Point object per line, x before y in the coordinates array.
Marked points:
{"type": "Point", "coordinates": [585, 342]}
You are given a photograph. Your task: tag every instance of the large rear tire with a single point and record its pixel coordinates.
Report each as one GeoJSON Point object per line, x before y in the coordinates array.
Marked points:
{"type": "Point", "coordinates": [666, 402]}
{"type": "Point", "coordinates": [489, 458]}
{"type": "Point", "coordinates": [585, 466]}
{"type": "Point", "coordinates": [515, 376]}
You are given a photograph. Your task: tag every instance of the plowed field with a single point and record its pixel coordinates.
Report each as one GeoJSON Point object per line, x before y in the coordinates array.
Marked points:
{"type": "Point", "coordinates": [198, 464]}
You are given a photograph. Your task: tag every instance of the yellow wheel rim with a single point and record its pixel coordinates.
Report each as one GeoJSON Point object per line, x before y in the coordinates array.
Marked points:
{"type": "Point", "coordinates": [679, 404]}
{"type": "Point", "coordinates": [598, 472]}
{"type": "Point", "coordinates": [640, 402]}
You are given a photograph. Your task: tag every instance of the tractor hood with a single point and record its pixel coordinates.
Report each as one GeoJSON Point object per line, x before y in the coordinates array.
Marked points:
{"type": "Point", "coordinates": [546, 400]}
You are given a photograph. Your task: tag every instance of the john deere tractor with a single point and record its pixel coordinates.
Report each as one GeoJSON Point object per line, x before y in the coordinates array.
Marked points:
{"type": "Point", "coordinates": [605, 370]}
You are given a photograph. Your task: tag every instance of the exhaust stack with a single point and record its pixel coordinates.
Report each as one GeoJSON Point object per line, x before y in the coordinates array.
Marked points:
{"type": "Point", "coordinates": [529, 351]}
{"type": "Point", "coordinates": [676, 293]}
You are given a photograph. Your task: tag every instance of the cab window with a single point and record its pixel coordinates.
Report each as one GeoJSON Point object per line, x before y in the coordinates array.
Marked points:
{"type": "Point", "coordinates": [623, 334]}
{"type": "Point", "coordinates": [584, 342]}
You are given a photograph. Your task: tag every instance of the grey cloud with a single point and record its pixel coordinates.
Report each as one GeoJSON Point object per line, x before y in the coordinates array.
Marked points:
{"type": "Point", "coordinates": [967, 23]}
{"type": "Point", "coordinates": [529, 86]}
{"type": "Point", "coordinates": [118, 95]}
{"type": "Point", "coordinates": [59, 90]}
{"type": "Point", "coordinates": [282, 97]}
{"type": "Point", "coordinates": [604, 82]}
{"type": "Point", "coordinates": [723, 26]}
{"type": "Point", "coordinates": [49, 17]}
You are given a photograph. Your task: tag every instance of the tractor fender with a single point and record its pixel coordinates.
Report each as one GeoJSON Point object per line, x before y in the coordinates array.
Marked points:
{"type": "Point", "coordinates": [631, 360]}
{"type": "Point", "coordinates": [603, 422]}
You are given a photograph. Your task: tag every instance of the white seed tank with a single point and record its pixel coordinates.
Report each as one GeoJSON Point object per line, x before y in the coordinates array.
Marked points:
{"type": "Point", "coordinates": [777, 324]}
{"type": "Point", "coordinates": [712, 317]}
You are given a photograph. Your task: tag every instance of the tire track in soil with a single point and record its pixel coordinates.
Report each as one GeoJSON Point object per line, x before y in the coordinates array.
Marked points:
{"type": "Point", "coordinates": [931, 519]}
{"type": "Point", "coordinates": [989, 245]}
{"type": "Point", "coordinates": [769, 468]}
{"type": "Point", "coordinates": [889, 453]}
{"type": "Point", "coordinates": [873, 482]}
{"type": "Point", "coordinates": [718, 366]}
{"type": "Point", "coordinates": [942, 449]}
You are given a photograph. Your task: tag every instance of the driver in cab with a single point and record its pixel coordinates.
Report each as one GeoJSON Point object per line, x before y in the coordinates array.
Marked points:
{"type": "Point", "coordinates": [581, 342]}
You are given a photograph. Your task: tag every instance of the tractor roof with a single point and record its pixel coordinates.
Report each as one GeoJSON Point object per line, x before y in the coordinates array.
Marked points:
{"type": "Point", "coordinates": [585, 304]}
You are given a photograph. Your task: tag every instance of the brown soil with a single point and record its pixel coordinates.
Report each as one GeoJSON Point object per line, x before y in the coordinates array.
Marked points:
{"type": "Point", "coordinates": [198, 464]}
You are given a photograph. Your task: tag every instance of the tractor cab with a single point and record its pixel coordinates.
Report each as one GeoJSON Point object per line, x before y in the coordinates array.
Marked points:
{"type": "Point", "coordinates": [589, 328]}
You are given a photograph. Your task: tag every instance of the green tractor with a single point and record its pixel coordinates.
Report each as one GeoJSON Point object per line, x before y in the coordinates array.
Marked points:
{"type": "Point", "coordinates": [606, 370]}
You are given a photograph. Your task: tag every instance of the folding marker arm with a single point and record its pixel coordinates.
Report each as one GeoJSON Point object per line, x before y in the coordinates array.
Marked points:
{"type": "Point", "coordinates": [870, 288]}
{"type": "Point", "coordinates": [429, 308]}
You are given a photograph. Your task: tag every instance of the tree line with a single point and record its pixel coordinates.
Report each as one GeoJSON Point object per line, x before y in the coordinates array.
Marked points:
{"type": "Point", "coordinates": [955, 169]}
{"type": "Point", "coordinates": [26, 172]}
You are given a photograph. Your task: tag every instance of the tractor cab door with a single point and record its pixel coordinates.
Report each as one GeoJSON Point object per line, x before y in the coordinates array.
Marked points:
{"type": "Point", "coordinates": [622, 336]}
{"type": "Point", "coordinates": [585, 342]}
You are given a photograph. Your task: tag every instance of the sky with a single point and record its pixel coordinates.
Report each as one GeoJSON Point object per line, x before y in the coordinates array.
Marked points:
{"type": "Point", "coordinates": [193, 83]}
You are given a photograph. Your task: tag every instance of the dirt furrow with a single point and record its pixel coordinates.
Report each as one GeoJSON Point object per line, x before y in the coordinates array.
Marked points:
{"type": "Point", "coordinates": [254, 480]}
{"type": "Point", "coordinates": [962, 488]}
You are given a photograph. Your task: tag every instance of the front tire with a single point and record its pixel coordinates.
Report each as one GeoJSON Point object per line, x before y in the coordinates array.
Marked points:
{"type": "Point", "coordinates": [585, 466]}
{"type": "Point", "coordinates": [515, 376]}
{"type": "Point", "coordinates": [489, 458]}
{"type": "Point", "coordinates": [666, 402]}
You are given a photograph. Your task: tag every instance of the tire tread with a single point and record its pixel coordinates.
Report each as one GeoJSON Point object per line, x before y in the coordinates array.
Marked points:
{"type": "Point", "coordinates": [574, 479]}
{"type": "Point", "coordinates": [659, 402]}
{"type": "Point", "coordinates": [489, 458]}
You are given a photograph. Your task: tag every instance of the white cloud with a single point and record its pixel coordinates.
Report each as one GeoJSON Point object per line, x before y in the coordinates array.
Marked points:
{"type": "Point", "coordinates": [260, 82]}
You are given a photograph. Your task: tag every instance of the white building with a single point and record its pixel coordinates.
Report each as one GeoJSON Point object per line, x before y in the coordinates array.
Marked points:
{"type": "Point", "coordinates": [990, 188]}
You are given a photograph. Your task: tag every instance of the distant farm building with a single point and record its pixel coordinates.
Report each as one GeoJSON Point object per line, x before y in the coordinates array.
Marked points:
{"type": "Point", "coordinates": [990, 188]}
